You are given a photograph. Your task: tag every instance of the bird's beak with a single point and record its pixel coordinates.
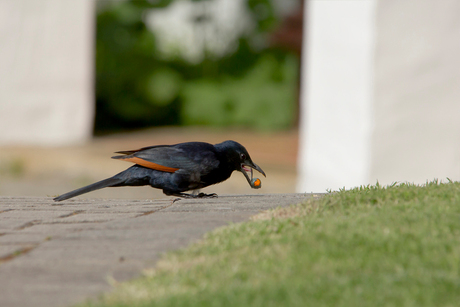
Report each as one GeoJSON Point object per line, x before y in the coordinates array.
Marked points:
{"type": "Point", "coordinates": [257, 168]}
{"type": "Point", "coordinates": [251, 165]}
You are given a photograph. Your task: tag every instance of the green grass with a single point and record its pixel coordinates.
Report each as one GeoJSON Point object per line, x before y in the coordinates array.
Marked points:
{"type": "Point", "coordinates": [370, 246]}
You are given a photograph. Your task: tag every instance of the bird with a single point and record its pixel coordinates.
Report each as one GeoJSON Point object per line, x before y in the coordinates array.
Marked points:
{"type": "Point", "coordinates": [179, 168]}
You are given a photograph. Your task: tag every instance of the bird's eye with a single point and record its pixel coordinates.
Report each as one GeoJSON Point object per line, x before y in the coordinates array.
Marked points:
{"type": "Point", "coordinates": [243, 156]}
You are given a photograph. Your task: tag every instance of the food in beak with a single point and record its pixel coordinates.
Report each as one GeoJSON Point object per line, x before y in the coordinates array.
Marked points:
{"type": "Point", "coordinates": [255, 183]}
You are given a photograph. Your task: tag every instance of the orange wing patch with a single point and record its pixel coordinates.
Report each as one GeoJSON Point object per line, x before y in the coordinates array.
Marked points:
{"type": "Point", "coordinates": [151, 165]}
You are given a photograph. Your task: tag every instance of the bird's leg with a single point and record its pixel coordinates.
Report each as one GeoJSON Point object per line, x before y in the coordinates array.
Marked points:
{"type": "Point", "coordinates": [184, 195]}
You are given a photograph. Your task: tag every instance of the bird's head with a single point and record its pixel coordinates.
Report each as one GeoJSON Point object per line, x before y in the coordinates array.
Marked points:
{"type": "Point", "coordinates": [239, 157]}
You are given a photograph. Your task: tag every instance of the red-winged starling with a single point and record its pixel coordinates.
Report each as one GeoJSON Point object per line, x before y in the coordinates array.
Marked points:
{"type": "Point", "coordinates": [178, 168]}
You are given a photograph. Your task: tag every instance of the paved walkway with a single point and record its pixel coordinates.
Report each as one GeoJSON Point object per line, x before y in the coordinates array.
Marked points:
{"type": "Point", "coordinates": [59, 254]}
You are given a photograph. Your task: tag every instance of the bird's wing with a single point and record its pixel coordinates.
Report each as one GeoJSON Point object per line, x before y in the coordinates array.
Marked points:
{"type": "Point", "coordinates": [169, 158]}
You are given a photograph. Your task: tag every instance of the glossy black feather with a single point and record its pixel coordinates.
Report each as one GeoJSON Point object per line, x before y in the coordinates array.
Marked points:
{"type": "Point", "coordinates": [198, 165]}
{"type": "Point", "coordinates": [192, 156]}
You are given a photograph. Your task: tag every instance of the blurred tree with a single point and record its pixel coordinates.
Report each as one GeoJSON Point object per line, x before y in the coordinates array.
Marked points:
{"type": "Point", "coordinates": [127, 71]}
{"type": "Point", "coordinates": [138, 84]}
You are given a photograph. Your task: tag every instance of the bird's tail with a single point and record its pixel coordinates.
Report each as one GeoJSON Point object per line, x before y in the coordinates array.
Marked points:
{"type": "Point", "coordinates": [109, 182]}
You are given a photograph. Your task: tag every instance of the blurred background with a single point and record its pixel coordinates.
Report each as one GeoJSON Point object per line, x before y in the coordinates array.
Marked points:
{"type": "Point", "coordinates": [323, 94]}
{"type": "Point", "coordinates": [87, 78]}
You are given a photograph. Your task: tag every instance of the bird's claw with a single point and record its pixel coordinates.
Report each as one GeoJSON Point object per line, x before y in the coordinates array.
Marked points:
{"type": "Point", "coordinates": [175, 199]}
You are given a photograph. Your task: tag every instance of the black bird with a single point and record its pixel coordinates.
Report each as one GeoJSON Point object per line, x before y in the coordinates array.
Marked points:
{"type": "Point", "coordinates": [178, 168]}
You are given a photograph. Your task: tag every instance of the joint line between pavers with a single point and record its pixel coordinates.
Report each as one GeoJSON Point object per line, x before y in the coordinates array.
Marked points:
{"type": "Point", "coordinates": [29, 224]}
{"type": "Point", "coordinates": [71, 214]}
{"type": "Point", "coordinates": [153, 211]}
{"type": "Point", "coordinates": [18, 253]}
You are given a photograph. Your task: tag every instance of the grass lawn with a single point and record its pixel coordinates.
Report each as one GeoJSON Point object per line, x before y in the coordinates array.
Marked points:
{"type": "Point", "coordinates": [370, 246]}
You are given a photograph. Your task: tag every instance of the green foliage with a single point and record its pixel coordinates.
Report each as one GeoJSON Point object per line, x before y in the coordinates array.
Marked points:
{"type": "Point", "coordinates": [263, 13]}
{"type": "Point", "coordinates": [262, 98]}
{"type": "Point", "coordinates": [126, 66]}
{"type": "Point", "coordinates": [137, 87]}
{"type": "Point", "coordinates": [163, 85]}
{"type": "Point", "coordinates": [13, 167]}
{"type": "Point", "coordinates": [370, 246]}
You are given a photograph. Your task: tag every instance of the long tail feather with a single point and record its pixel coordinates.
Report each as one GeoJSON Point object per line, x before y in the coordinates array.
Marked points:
{"type": "Point", "coordinates": [109, 182]}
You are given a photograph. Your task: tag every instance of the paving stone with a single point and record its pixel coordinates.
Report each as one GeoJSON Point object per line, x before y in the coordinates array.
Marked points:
{"type": "Point", "coordinates": [66, 253]}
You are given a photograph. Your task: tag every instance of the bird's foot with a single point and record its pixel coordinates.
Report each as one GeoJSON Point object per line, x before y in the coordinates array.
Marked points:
{"type": "Point", "coordinates": [203, 195]}
{"type": "Point", "coordinates": [185, 195]}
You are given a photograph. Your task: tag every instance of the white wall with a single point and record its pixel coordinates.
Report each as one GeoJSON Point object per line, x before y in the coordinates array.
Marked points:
{"type": "Point", "coordinates": [417, 91]}
{"type": "Point", "coordinates": [46, 75]}
{"type": "Point", "coordinates": [336, 95]}
{"type": "Point", "coordinates": [402, 127]}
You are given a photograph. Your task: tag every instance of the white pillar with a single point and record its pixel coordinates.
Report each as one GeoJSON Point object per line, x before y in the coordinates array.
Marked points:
{"type": "Point", "coordinates": [417, 91]}
{"type": "Point", "coordinates": [336, 95]}
{"type": "Point", "coordinates": [46, 71]}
